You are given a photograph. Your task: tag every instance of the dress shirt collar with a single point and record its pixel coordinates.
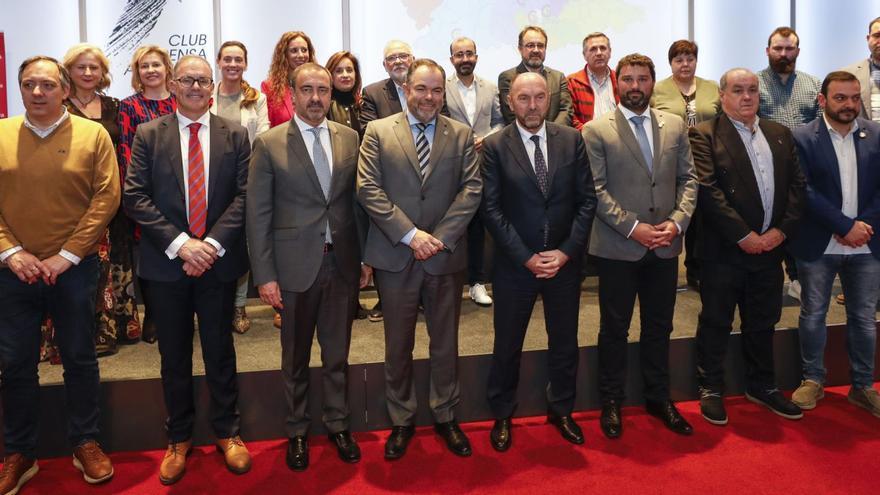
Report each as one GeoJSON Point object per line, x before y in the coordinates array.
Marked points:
{"type": "Point", "coordinates": [527, 135]}
{"type": "Point", "coordinates": [43, 132]}
{"type": "Point", "coordinates": [628, 114]}
{"type": "Point", "coordinates": [872, 65]}
{"type": "Point", "coordinates": [464, 86]}
{"type": "Point", "coordinates": [305, 126]}
{"type": "Point", "coordinates": [413, 121]}
{"type": "Point", "coordinates": [595, 80]}
{"type": "Point", "coordinates": [742, 127]}
{"type": "Point", "coordinates": [852, 130]}
{"type": "Point", "coordinates": [184, 121]}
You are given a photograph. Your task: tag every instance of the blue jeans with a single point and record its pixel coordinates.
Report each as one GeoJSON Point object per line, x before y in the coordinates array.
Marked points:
{"type": "Point", "coordinates": [71, 302]}
{"type": "Point", "coordinates": [860, 278]}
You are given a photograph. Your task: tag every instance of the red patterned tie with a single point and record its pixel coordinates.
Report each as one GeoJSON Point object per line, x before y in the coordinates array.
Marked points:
{"type": "Point", "coordinates": [198, 202]}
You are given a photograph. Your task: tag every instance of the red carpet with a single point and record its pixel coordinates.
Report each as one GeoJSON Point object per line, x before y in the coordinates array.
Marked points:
{"type": "Point", "coordinates": [834, 449]}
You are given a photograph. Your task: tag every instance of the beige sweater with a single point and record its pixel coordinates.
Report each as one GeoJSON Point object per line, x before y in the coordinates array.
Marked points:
{"type": "Point", "coordinates": [58, 192]}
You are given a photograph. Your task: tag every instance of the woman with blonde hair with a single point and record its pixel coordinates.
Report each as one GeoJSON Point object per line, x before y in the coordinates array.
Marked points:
{"type": "Point", "coordinates": [151, 72]}
{"type": "Point", "coordinates": [238, 101]}
{"type": "Point", "coordinates": [293, 49]}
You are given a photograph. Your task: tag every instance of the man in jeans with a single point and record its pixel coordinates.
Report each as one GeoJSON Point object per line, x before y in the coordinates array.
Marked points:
{"type": "Point", "coordinates": [838, 154]}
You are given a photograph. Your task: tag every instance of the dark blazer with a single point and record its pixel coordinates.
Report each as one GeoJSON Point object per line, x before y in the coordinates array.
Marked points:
{"type": "Point", "coordinates": [287, 212]}
{"type": "Point", "coordinates": [824, 198]}
{"type": "Point", "coordinates": [154, 196]}
{"type": "Point", "coordinates": [728, 197]}
{"type": "Point", "coordinates": [379, 100]}
{"type": "Point", "coordinates": [559, 111]}
{"type": "Point", "coordinates": [515, 211]}
{"type": "Point", "coordinates": [391, 190]}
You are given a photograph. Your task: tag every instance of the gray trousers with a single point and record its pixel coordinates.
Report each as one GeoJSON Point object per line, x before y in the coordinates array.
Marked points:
{"type": "Point", "coordinates": [441, 295]}
{"type": "Point", "coordinates": [327, 305]}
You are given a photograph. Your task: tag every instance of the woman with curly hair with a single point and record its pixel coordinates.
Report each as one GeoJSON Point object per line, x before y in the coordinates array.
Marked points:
{"type": "Point", "coordinates": [292, 50]}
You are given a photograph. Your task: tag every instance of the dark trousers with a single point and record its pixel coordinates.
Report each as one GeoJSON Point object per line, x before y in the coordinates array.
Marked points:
{"type": "Point", "coordinates": [654, 281]}
{"type": "Point", "coordinates": [174, 305]}
{"type": "Point", "coordinates": [758, 293]}
{"type": "Point", "coordinates": [476, 238]}
{"type": "Point", "coordinates": [515, 293]}
{"type": "Point", "coordinates": [691, 265]}
{"type": "Point", "coordinates": [328, 305]}
{"type": "Point", "coordinates": [71, 301]}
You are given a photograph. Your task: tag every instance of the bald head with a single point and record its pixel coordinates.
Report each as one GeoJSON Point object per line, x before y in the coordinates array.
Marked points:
{"type": "Point", "coordinates": [529, 99]}
{"type": "Point", "coordinates": [189, 60]}
{"type": "Point", "coordinates": [739, 95]}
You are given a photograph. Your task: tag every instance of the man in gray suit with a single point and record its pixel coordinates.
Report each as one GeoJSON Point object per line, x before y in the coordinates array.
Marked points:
{"type": "Point", "coordinates": [305, 252]}
{"type": "Point", "coordinates": [646, 187]}
{"type": "Point", "coordinates": [419, 181]}
{"type": "Point", "coordinates": [385, 97]}
{"type": "Point", "coordinates": [868, 73]}
{"type": "Point", "coordinates": [473, 101]}
{"type": "Point", "coordinates": [533, 48]}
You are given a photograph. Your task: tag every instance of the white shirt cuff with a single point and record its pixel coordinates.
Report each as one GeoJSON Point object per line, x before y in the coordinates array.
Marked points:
{"type": "Point", "coordinates": [217, 246]}
{"type": "Point", "coordinates": [632, 229]}
{"type": "Point", "coordinates": [677, 226]}
{"type": "Point", "coordinates": [175, 245]}
{"type": "Point", "coordinates": [408, 237]}
{"type": "Point", "coordinates": [70, 256]}
{"type": "Point", "coordinates": [9, 252]}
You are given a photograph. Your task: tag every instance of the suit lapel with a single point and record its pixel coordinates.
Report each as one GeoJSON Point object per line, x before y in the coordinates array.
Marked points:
{"type": "Point", "coordinates": [441, 136]}
{"type": "Point", "coordinates": [336, 147]}
{"type": "Point", "coordinates": [405, 138]}
{"type": "Point", "coordinates": [619, 122]}
{"type": "Point", "coordinates": [455, 99]}
{"type": "Point", "coordinates": [729, 138]}
{"type": "Point", "coordinates": [657, 124]}
{"type": "Point", "coordinates": [299, 155]}
{"type": "Point", "coordinates": [515, 144]}
{"type": "Point", "coordinates": [219, 133]}
{"type": "Point", "coordinates": [391, 94]}
{"type": "Point", "coordinates": [862, 163]}
{"type": "Point", "coordinates": [552, 132]}
{"type": "Point", "coordinates": [171, 144]}
{"type": "Point", "coordinates": [829, 157]}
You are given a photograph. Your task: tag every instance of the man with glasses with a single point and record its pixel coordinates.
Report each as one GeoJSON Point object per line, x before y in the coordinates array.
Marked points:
{"type": "Point", "coordinates": [473, 101]}
{"type": "Point", "coordinates": [868, 73]}
{"type": "Point", "coordinates": [185, 187]}
{"type": "Point", "coordinates": [533, 49]}
{"type": "Point", "coordinates": [385, 97]}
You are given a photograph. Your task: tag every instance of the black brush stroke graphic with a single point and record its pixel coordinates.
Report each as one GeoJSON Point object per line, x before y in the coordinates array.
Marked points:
{"type": "Point", "coordinates": [134, 25]}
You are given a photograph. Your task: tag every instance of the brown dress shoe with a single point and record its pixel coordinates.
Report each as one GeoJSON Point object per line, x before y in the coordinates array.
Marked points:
{"type": "Point", "coordinates": [238, 459]}
{"type": "Point", "coordinates": [17, 470]}
{"type": "Point", "coordinates": [94, 464]}
{"type": "Point", "coordinates": [277, 320]}
{"type": "Point", "coordinates": [240, 321]}
{"type": "Point", "coordinates": [174, 464]}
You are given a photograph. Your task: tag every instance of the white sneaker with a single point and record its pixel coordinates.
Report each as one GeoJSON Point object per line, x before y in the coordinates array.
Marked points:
{"type": "Point", "coordinates": [479, 295]}
{"type": "Point", "coordinates": [794, 289]}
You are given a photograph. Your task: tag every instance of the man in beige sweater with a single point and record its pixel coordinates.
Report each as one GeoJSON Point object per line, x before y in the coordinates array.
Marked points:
{"type": "Point", "coordinates": [59, 188]}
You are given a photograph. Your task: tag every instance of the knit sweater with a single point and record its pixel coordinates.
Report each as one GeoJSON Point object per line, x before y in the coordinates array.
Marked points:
{"type": "Point", "coordinates": [57, 192]}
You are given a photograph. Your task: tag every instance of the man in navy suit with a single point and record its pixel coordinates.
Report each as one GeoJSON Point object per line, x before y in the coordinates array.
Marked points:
{"type": "Point", "coordinates": [838, 155]}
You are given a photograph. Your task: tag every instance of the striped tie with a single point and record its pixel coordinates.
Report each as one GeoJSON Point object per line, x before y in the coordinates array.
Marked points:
{"type": "Point", "coordinates": [198, 201]}
{"type": "Point", "coordinates": [423, 149]}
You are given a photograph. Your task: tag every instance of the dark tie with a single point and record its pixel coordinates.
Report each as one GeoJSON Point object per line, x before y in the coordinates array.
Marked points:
{"type": "Point", "coordinates": [541, 173]}
{"type": "Point", "coordinates": [642, 138]}
{"type": "Point", "coordinates": [423, 149]}
{"type": "Point", "coordinates": [198, 201]}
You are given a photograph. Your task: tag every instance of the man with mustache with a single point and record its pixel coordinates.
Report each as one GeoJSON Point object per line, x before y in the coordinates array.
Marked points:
{"type": "Point", "coordinates": [868, 73]}
{"type": "Point", "coordinates": [838, 155]}
{"type": "Point", "coordinates": [533, 49]}
{"type": "Point", "coordinates": [593, 89]}
{"type": "Point", "coordinates": [385, 97]}
{"type": "Point", "coordinates": [788, 97]}
{"type": "Point", "coordinates": [751, 198]}
{"type": "Point", "coordinates": [473, 101]}
{"type": "Point", "coordinates": [646, 188]}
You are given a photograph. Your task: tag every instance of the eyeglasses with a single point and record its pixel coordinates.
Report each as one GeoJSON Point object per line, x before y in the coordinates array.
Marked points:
{"type": "Point", "coordinates": [403, 57]}
{"type": "Point", "coordinates": [535, 46]}
{"type": "Point", "coordinates": [188, 82]}
{"type": "Point", "coordinates": [461, 55]}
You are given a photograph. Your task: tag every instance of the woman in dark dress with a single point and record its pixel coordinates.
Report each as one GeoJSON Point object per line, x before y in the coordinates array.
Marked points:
{"type": "Point", "coordinates": [345, 102]}
{"type": "Point", "coordinates": [151, 72]}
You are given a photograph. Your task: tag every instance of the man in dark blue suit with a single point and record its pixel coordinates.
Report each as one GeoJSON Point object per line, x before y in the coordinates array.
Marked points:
{"type": "Point", "coordinates": [838, 156]}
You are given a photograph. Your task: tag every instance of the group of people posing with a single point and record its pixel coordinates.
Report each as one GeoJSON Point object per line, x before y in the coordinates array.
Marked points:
{"type": "Point", "coordinates": [317, 187]}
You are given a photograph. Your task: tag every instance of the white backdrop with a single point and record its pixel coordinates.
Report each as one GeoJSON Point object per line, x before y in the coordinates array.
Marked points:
{"type": "Point", "coordinates": [730, 33]}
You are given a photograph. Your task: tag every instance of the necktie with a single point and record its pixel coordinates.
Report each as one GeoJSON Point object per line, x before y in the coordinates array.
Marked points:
{"type": "Point", "coordinates": [198, 201]}
{"type": "Point", "coordinates": [642, 138]}
{"type": "Point", "coordinates": [541, 173]}
{"type": "Point", "coordinates": [322, 168]}
{"type": "Point", "coordinates": [423, 149]}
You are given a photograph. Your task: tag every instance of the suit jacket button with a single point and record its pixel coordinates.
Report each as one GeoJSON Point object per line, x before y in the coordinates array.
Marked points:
{"type": "Point", "coordinates": [651, 210]}
{"type": "Point", "coordinates": [423, 198]}
{"type": "Point", "coordinates": [653, 184]}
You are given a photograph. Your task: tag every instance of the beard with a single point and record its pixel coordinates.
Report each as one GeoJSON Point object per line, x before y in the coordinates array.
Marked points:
{"type": "Point", "coordinates": [782, 65]}
{"type": "Point", "coordinates": [635, 100]}
{"type": "Point", "coordinates": [465, 69]}
{"type": "Point", "coordinates": [534, 62]}
{"type": "Point", "coordinates": [844, 116]}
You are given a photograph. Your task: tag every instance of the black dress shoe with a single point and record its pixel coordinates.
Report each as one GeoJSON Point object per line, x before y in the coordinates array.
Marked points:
{"type": "Point", "coordinates": [455, 439]}
{"type": "Point", "coordinates": [500, 437]}
{"type": "Point", "coordinates": [610, 421]}
{"type": "Point", "coordinates": [346, 446]}
{"type": "Point", "coordinates": [666, 411]}
{"type": "Point", "coordinates": [397, 441]}
{"type": "Point", "coordinates": [375, 314]}
{"type": "Point", "coordinates": [774, 400]}
{"type": "Point", "coordinates": [567, 428]}
{"type": "Point", "coordinates": [298, 453]}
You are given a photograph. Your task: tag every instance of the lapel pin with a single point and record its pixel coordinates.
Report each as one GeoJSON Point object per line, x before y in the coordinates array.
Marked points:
{"type": "Point", "coordinates": [660, 124]}
{"type": "Point", "coordinates": [862, 134]}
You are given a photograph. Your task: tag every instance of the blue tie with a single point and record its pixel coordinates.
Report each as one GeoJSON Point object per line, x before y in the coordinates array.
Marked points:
{"type": "Point", "coordinates": [642, 138]}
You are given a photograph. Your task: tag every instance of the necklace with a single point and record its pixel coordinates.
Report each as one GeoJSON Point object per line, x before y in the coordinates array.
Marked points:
{"type": "Point", "coordinates": [84, 104]}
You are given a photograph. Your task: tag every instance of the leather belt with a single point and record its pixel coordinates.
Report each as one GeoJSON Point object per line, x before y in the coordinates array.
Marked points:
{"type": "Point", "coordinates": [328, 248]}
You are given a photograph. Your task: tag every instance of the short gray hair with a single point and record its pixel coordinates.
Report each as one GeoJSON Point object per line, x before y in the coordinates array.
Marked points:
{"type": "Point", "coordinates": [722, 83]}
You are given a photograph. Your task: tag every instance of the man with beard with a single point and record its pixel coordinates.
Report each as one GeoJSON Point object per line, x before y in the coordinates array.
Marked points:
{"type": "Point", "coordinates": [385, 97]}
{"type": "Point", "coordinates": [419, 181]}
{"type": "Point", "coordinates": [646, 188]}
{"type": "Point", "coordinates": [538, 203]}
{"type": "Point", "coordinates": [533, 49]}
{"type": "Point", "coordinates": [305, 251]}
{"type": "Point", "coordinates": [868, 73]}
{"type": "Point", "coordinates": [751, 197]}
{"type": "Point", "coordinates": [473, 101]}
{"type": "Point", "coordinates": [593, 89]}
{"type": "Point", "coordinates": [838, 155]}
{"type": "Point", "coordinates": [788, 97]}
